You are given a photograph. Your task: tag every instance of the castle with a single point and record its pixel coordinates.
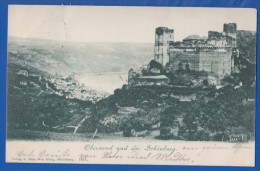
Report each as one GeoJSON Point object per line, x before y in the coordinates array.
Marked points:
{"type": "Point", "coordinates": [215, 53]}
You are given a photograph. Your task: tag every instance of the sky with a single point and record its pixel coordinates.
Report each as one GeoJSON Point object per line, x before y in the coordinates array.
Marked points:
{"type": "Point", "coordinates": [120, 24]}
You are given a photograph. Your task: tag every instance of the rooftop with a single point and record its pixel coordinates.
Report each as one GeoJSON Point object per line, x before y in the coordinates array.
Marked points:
{"type": "Point", "coordinates": [195, 37]}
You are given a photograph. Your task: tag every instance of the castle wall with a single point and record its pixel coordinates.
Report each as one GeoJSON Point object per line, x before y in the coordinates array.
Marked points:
{"type": "Point", "coordinates": [216, 61]}
{"type": "Point", "coordinates": [190, 58]}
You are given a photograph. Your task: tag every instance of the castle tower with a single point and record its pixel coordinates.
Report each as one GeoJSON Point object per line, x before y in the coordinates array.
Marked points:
{"type": "Point", "coordinates": [230, 28]}
{"type": "Point", "coordinates": [230, 31]}
{"type": "Point", "coordinates": [163, 37]}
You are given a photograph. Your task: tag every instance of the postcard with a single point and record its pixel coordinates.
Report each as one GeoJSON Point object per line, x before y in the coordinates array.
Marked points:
{"type": "Point", "coordinates": [131, 85]}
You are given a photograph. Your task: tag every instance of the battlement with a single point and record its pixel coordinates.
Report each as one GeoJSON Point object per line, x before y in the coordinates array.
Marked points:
{"type": "Point", "coordinates": [163, 30]}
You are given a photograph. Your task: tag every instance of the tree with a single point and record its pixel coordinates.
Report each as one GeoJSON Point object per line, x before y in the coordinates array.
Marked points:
{"type": "Point", "coordinates": [154, 65]}
{"type": "Point", "coordinates": [167, 120]}
{"type": "Point", "coordinates": [246, 43]}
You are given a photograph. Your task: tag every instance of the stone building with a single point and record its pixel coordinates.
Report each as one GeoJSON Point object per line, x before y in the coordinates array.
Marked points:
{"type": "Point", "coordinates": [212, 54]}
{"type": "Point", "coordinates": [158, 80]}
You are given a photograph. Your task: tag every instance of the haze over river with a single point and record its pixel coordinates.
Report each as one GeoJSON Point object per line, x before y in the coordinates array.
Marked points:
{"type": "Point", "coordinates": [105, 82]}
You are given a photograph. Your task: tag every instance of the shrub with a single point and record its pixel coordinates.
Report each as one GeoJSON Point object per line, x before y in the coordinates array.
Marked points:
{"type": "Point", "coordinates": [202, 135]}
{"type": "Point", "coordinates": [109, 124]}
{"type": "Point", "coordinates": [221, 137]}
{"type": "Point", "coordinates": [166, 133]}
{"type": "Point", "coordinates": [127, 130]}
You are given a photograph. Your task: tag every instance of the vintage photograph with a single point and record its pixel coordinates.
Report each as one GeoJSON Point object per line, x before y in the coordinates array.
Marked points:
{"type": "Point", "coordinates": [118, 75]}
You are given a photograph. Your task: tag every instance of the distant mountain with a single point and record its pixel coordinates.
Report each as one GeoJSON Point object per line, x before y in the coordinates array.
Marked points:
{"type": "Point", "coordinates": [67, 57]}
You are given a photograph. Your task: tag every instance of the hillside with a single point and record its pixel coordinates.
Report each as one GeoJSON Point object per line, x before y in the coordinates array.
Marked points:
{"type": "Point", "coordinates": [35, 103]}
{"type": "Point", "coordinates": [213, 115]}
{"type": "Point", "coordinates": [67, 57]}
{"type": "Point", "coordinates": [246, 42]}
